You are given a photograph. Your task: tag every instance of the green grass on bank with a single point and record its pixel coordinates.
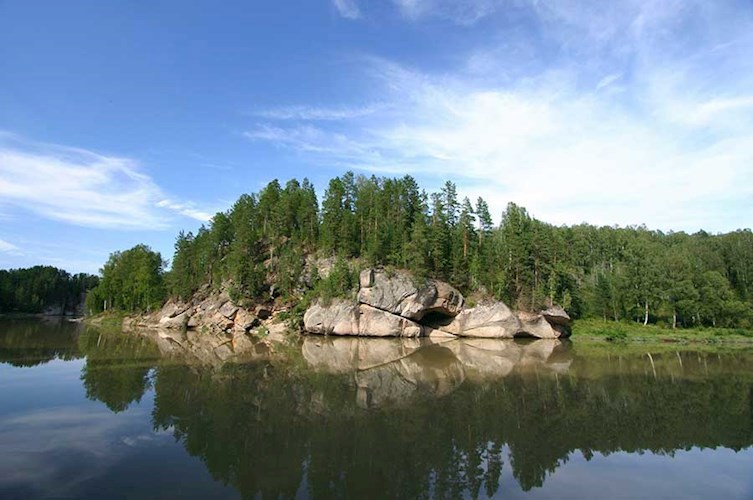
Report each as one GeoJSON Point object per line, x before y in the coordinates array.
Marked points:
{"type": "Point", "coordinates": [611, 331]}
{"type": "Point", "coordinates": [106, 319]}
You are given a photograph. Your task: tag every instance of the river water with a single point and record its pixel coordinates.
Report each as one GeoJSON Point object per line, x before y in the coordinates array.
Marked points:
{"type": "Point", "coordinates": [88, 413]}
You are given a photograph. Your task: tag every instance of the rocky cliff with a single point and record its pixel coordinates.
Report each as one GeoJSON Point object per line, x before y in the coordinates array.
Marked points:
{"type": "Point", "coordinates": [396, 305]}
{"type": "Point", "coordinates": [212, 327]}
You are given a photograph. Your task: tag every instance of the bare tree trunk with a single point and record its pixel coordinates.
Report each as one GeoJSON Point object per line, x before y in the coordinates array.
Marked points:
{"type": "Point", "coordinates": [674, 319]}
{"type": "Point", "coordinates": [645, 315]}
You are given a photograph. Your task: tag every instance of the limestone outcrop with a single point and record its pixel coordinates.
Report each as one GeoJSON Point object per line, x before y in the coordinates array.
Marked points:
{"type": "Point", "coordinates": [338, 318]}
{"type": "Point", "coordinates": [213, 314]}
{"type": "Point", "coordinates": [342, 317]}
{"type": "Point", "coordinates": [487, 321]}
{"type": "Point", "coordinates": [399, 294]}
{"type": "Point", "coordinates": [396, 305]}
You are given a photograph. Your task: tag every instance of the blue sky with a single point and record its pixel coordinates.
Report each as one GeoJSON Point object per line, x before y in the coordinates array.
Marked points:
{"type": "Point", "coordinates": [124, 122]}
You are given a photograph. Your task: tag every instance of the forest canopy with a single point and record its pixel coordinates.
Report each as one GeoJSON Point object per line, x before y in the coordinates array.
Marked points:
{"type": "Point", "coordinates": [41, 288]}
{"type": "Point", "coordinates": [132, 281]}
{"type": "Point", "coordinates": [632, 273]}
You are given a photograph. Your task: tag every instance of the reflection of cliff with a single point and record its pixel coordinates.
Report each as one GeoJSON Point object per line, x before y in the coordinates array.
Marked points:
{"type": "Point", "coordinates": [204, 348]}
{"type": "Point", "coordinates": [31, 342]}
{"type": "Point", "coordinates": [255, 425]}
{"type": "Point", "coordinates": [442, 419]}
{"type": "Point", "coordinates": [396, 370]}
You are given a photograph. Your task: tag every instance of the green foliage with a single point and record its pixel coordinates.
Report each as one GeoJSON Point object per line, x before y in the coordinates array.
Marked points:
{"type": "Point", "coordinates": [39, 288]}
{"type": "Point", "coordinates": [341, 282]}
{"type": "Point", "coordinates": [611, 273]}
{"type": "Point", "coordinates": [132, 281]}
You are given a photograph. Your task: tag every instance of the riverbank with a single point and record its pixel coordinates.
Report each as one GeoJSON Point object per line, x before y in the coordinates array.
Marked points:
{"type": "Point", "coordinates": [628, 332]}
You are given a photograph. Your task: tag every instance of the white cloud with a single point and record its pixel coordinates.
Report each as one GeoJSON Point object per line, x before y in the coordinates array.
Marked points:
{"type": "Point", "coordinates": [313, 113]}
{"type": "Point", "coordinates": [81, 187]}
{"type": "Point", "coordinates": [9, 248]}
{"type": "Point", "coordinates": [464, 12]}
{"type": "Point", "coordinates": [347, 8]}
{"type": "Point", "coordinates": [187, 209]}
{"type": "Point", "coordinates": [32, 441]}
{"type": "Point", "coordinates": [662, 139]}
{"type": "Point", "coordinates": [607, 81]}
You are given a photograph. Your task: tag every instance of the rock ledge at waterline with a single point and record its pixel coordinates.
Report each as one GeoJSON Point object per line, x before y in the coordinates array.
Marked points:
{"type": "Point", "coordinates": [394, 305]}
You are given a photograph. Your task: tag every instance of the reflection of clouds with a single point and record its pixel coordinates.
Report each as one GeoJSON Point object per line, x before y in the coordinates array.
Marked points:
{"type": "Point", "coordinates": [56, 449]}
{"type": "Point", "coordinates": [55, 372]}
{"type": "Point", "coordinates": [694, 473]}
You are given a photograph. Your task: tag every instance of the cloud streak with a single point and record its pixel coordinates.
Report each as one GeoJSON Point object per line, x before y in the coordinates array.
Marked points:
{"type": "Point", "coordinates": [347, 8]}
{"type": "Point", "coordinates": [83, 188]}
{"type": "Point", "coordinates": [626, 125]}
{"type": "Point", "coordinates": [9, 248]}
{"type": "Point", "coordinates": [313, 113]}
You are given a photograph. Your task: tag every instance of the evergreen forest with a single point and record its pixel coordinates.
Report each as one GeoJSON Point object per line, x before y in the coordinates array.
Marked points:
{"type": "Point", "coordinates": [37, 289]}
{"type": "Point", "coordinates": [262, 243]}
{"type": "Point", "coordinates": [260, 247]}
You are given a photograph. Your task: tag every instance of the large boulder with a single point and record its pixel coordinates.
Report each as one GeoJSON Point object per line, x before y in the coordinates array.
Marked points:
{"type": "Point", "coordinates": [398, 293]}
{"type": "Point", "coordinates": [338, 318]}
{"type": "Point", "coordinates": [536, 325]}
{"type": "Point", "coordinates": [345, 318]}
{"type": "Point", "coordinates": [374, 322]}
{"type": "Point", "coordinates": [177, 322]}
{"type": "Point", "coordinates": [487, 321]}
{"type": "Point", "coordinates": [173, 308]}
{"type": "Point", "coordinates": [396, 305]}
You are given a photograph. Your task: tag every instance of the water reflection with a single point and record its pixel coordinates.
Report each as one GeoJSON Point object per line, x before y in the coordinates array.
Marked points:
{"type": "Point", "coordinates": [412, 418]}
{"type": "Point", "coordinates": [32, 342]}
{"type": "Point", "coordinates": [118, 366]}
{"type": "Point", "coordinates": [395, 371]}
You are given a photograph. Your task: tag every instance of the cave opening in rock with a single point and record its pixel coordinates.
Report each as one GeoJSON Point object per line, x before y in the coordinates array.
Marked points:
{"type": "Point", "coordinates": [436, 319]}
{"type": "Point", "coordinates": [523, 335]}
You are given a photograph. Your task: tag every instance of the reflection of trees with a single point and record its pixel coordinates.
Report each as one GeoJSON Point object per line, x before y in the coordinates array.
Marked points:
{"type": "Point", "coordinates": [34, 342]}
{"type": "Point", "coordinates": [465, 412]}
{"type": "Point", "coordinates": [263, 426]}
{"type": "Point", "coordinates": [117, 367]}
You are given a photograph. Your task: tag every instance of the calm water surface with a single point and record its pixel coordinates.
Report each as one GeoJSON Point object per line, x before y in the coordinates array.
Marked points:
{"type": "Point", "coordinates": [89, 413]}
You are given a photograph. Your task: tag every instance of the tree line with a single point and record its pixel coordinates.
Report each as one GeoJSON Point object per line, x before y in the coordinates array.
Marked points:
{"type": "Point", "coordinates": [132, 281]}
{"type": "Point", "coordinates": [43, 288]}
{"type": "Point", "coordinates": [261, 243]}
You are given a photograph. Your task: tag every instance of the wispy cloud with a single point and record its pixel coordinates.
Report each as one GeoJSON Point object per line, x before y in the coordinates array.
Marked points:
{"type": "Point", "coordinates": [313, 113]}
{"type": "Point", "coordinates": [347, 8]}
{"type": "Point", "coordinates": [32, 440]}
{"type": "Point", "coordinates": [82, 187]}
{"type": "Point", "coordinates": [187, 209]}
{"type": "Point", "coordinates": [9, 248]}
{"type": "Point", "coordinates": [464, 12]}
{"type": "Point", "coordinates": [627, 124]}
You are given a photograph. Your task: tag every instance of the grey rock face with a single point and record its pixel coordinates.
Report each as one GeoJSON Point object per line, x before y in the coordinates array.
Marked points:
{"type": "Point", "coordinates": [176, 322]}
{"type": "Point", "coordinates": [400, 294]}
{"type": "Point", "coordinates": [556, 315]}
{"type": "Point", "coordinates": [345, 318]}
{"type": "Point", "coordinates": [374, 322]}
{"type": "Point", "coordinates": [395, 305]}
{"type": "Point", "coordinates": [338, 318]}
{"type": "Point", "coordinates": [536, 325]}
{"type": "Point", "coordinates": [486, 321]}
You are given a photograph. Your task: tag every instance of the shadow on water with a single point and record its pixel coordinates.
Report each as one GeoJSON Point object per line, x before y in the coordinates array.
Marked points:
{"type": "Point", "coordinates": [338, 416]}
